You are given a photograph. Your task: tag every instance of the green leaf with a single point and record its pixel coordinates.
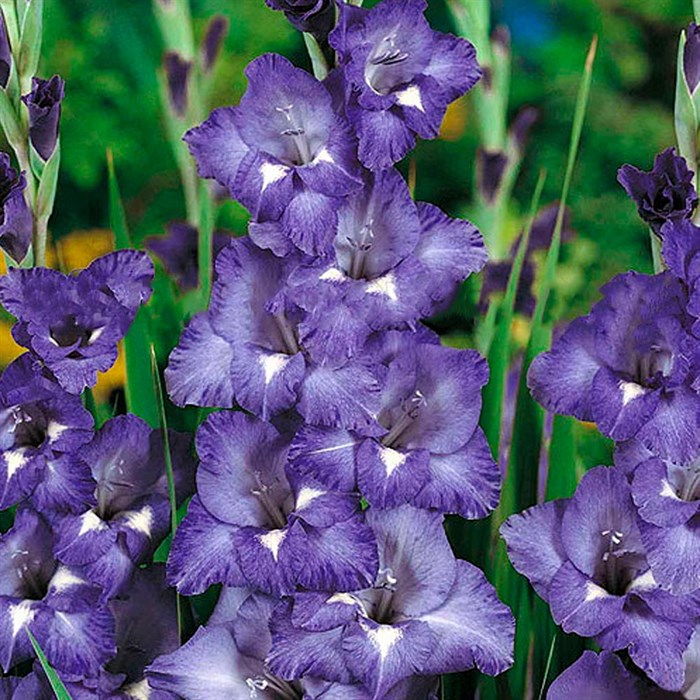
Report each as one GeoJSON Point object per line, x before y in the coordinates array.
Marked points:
{"type": "Point", "coordinates": [9, 122]}
{"type": "Point", "coordinates": [204, 244]}
{"type": "Point", "coordinates": [140, 387]}
{"type": "Point", "coordinates": [547, 667]}
{"type": "Point", "coordinates": [696, 10]}
{"type": "Point", "coordinates": [59, 690]}
{"type": "Point", "coordinates": [656, 258]}
{"type": "Point", "coordinates": [561, 476]}
{"type": "Point", "coordinates": [168, 467]}
{"type": "Point", "coordinates": [175, 22]}
{"type": "Point", "coordinates": [499, 354]}
{"type": "Point", "coordinates": [318, 60]}
{"type": "Point", "coordinates": [48, 180]}
{"type": "Point", "coordinates": [685, 113]}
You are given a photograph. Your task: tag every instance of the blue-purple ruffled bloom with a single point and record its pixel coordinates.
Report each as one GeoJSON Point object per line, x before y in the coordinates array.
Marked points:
{"type": "Point", "coordinates": [129, 514]}
{"type": "Point", "coordinates": [631, 366]}
{"type": "Point", "coordinates": [585, 556]}
{"type": "Point", "coordinates": [314, 16]}
{"type": "Point", "coordinates": [73, 322]}
{"type": "Point", "coordinates": [251, 524]}
{"type": "Point", "coordinates": [398, 76]}
{"type": "Point", "coordinates": [282, 152]}
{"type": "Point", "coordinates": [41, 428]}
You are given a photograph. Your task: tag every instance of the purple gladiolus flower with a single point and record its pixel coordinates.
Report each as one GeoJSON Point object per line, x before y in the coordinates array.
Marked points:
{"type": "Point", "coordinates": [392, 263]}
{"type": "Point", "coordinates": [73, 323]}
{"type": "Point", "coordinates": [41, 426]}
{"type": "Point", "coordinates": [255, 348]}
{"type": "Point", "coordinates": [665, 193]}
{"type": "Point", "coordinates": [681, 251]}
{"type": "Point", "coordinates": [252, 525]}
{"type": "Point", "coordinates": [227, 659]}
{"type": "Point", "coordinates": [400, 74]}
{"type": "Point", "coordinates": [15, 216]}
{"type": "Point", "coordinates": [431, 452]}
{"type": "Point", "coordinates": [177, 251]}
{"type": "Point", "coordinates": [44, 105]}
{"type": "Point", "coordinates": [426, 614]}
{"type": "Point", "coordinates": [586, 558]}
{"type": "Point", "coordinates": [131, 510]}
{"type": "Point", "coordinates": [629, 366]}
{"type": "Point", "coordinates": [314, 16]}
{"type": "Point", "coordinates": [602, 677]}
{"type": "Point", "coordinates": [60, 608]}
{"type": "Point", "coordinates": [282, 152]}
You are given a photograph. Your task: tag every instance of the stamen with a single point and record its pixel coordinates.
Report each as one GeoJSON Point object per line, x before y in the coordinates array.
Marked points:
{"type": "Point", "coordinates": [410, 408]}
{"type": "Point", "coordinates": [361, 245]}
{"type": "Point", "coordinates": [691, 484]}
{"type": "Point", "coordinates": [271, 508]}
{"type": "Point", "coordinates": [298, 135]}
{"type": "Point", "coordinates": [386, 581]}
{"type": "Point", "coordinates": [289, 339]}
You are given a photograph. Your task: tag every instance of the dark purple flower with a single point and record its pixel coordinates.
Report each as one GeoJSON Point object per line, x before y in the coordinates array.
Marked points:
{"type": "Point", "coordinates": [177, 74]}
{"type": "Point", "coordinates": [60, 608]}
{"type": "Point", "coordinates": [392, 262]}
{"type": "Point", "coordinates": [44, 105]}
{"type": "Point", "coordinates": [5, 53]}
{"type": "Point", "coordinates": [214, 37]}
{"type": "Point", "coordinates": [41, 425]}
{"type": "Point", "coordinates": [431, 454]}
{"type": "Point", "coordinates": [585, 557]}
{"type": "Point", "coordinates": [314, 16]}
{"type": "Point", "coordinates": [282, 152]}
{"type": "Point", "coordinates": [490, 167]}
{"type": "Point", "coordinates": [601, 677]}
{"type": "Point", "coordinates": [681, 251]}
{"type": "Point", "coordinates": [630, 366]}
{"type": "Point", "coordinates": [253, 347]}
{"type": "Point", "coordinates": [426, 614]}
{"type": "Point", "coordinates": [400, 74]}
{"type": "Point", "coordinates": [177, 251]}
{"type": "Point", "coordinates": [252, 525]}
{"type": "Point", "coordinates": [15, 216]}
{"type": "Point", "coordinates": [691, 57]}
{"type": "Point", "coordinates": [131, 509]}
{"type": "Point", "coordinates": [73, 322]}
{"type": "Point", "coordinates": [665, 193]}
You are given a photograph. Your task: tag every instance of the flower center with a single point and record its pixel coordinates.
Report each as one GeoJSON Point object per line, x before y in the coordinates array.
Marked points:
{"type": "Point", "coordinates": [380, 70]}
{"type": "Point", "coordinates": [273, 511]}
{"type": "Point", "coordinates": [360, 246]}
{"type": "Point", "coordinates": [69, 331]}
{"type": "Point", "coordinates": [29, 426]}
{"type": "Point", "coordinates": [32, 584]}
{"type": "Point", "coordinates": [386, 582]}
{"type": "Point", "coordinates": [653, 366]}
{"type": "Point", "coordinates": [410, 410]}
{"type": "Point", "coordinates": [690, 487]}
{"type": "Point", "coordinates": [617, 567]}
{"type": "Point", "coordinates": [112, 479]}
{"type": "Point", "coordinates": [300, 148]}
{"type": "Point", "coordinates": [287, 333]}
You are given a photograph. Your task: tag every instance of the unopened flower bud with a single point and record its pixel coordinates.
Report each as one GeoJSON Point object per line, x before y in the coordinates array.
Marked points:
{"type": "Point", "coordinates": [44, 105]}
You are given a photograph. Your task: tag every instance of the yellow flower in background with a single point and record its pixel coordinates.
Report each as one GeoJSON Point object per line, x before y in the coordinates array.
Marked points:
{"type": "Point", "coordinates": [9, 350]}
{"type": "Point", "coordinates": [111, 380]}
{"type": "Point", "coordinates": [79, 248]}
{"type": "Point", "coordinates": [455, 121]}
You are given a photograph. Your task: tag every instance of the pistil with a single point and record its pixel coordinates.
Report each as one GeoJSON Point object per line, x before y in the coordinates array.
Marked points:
{"type": "Point", "coordinates": [274, 512]}
{"type": "Point", "coordinates": [287, 333]}
{"type": "Point", "coordinates": [298, 135]}
{"type": "Point", "coordinates": [410, 408]}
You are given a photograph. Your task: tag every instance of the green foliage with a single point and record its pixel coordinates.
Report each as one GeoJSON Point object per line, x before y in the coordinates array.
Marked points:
{"type": "Point", "coordinates": [56, 683]}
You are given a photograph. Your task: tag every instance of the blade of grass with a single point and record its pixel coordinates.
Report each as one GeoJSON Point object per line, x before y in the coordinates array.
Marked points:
{"type": "Point", "coordinates": [561, 473]}
{"type": "Point", "coordinates": [168, 469]}
{"type": "Point", "coordinates": [59, 690]}
{"type": "Point", "coordinates": [204, 247]}
{"type": "Point", "coordinates": [550, 656]}
{"type": "Point", "coordinates": [499, 353]}
{"type": "Point", "coordinates": [139, 388]}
